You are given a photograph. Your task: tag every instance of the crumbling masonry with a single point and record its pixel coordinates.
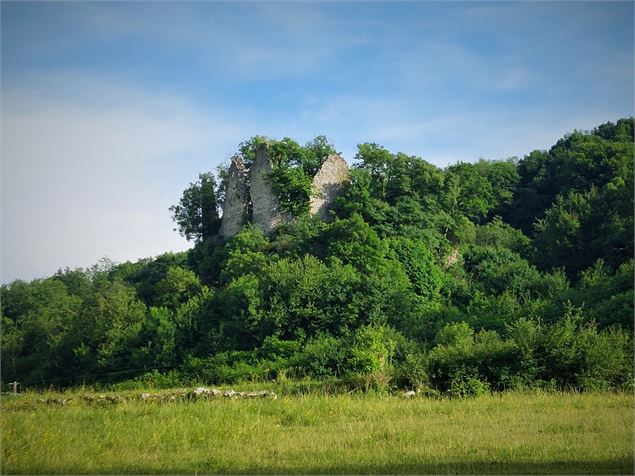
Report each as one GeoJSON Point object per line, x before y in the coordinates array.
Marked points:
{"type": "Point", "coordinates": [252, 187]}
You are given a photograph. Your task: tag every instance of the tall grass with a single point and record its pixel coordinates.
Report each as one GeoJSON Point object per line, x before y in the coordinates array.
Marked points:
{"type": "Point", "coordinates": [534, 433]}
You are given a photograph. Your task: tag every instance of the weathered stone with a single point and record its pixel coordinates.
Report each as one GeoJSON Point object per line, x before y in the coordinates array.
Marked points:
{"type": "Point", "coordinates": [451, 259]}
{"type": "Point", "coordinates": [253, 186]}
{"type": "Point", "coordinates": [260, 394]}
{"type": "Point", "coordinates": [266, 212]}
{"type": "Point", "coordinates": [327, 183]}
{"type": "Point", "coordinates": [236, 199]}
{"type": "Point", "coordinates": [201, 390]}
{"type": "Point", "coordinates": [206, 392]}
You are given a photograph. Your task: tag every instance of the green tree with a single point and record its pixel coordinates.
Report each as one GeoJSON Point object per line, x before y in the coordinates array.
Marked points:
{"type": "Point", "coordinates": [293, 168]}
{"type": "Point", "coordinates": [107, 328]}
{"type": "Point", "coordinates": [37, 320]}
{"type": "Point", "coordinates": [371, 357]}
{"type": "Point", "coordinates": [575, 164]}
{"type": "Point", "coordinates": [420, 266]}
{"type": "Point", "coordinates": [177, 287]}
{"type": "Point", "coordinates": [196, 214]}
{"type": "Point", "coordinates": [483, 187]}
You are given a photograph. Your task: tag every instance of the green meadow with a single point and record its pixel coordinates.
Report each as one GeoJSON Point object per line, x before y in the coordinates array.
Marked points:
{"type": "Point", "coordinates": [505, 433]}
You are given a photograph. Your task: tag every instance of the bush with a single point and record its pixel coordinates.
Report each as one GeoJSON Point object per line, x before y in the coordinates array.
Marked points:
{"type": "Point", "coordinates": [370, 359]}
{"type": "Point", "coordinates": [467, 386]}
{"type": "Point", "coordinates": [412, 371]}
{"type": "Point", "coordinates": [464, 363]}
{"type": "Point", "coordinates": [323, 356]}
{"type": "Point", "coordinates": [158, 380]}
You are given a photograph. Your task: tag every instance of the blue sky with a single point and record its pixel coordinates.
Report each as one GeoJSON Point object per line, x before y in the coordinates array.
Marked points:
{"type": "Point", "coordinates": [110, 109]}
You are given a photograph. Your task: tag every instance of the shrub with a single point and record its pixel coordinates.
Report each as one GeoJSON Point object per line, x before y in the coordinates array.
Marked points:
{"type": "Point", "coordinates": [157, 380]}
{"type": "Point", "coordinates": [323, 356]}
{"type": "Point", "coordinates": [464, 363]}
{"type": "Point", "coordinates": [412, 371]}
{"type": "Point", "coordinates": [370, 359]}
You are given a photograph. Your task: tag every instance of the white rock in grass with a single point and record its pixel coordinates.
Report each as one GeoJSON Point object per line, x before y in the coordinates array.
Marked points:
{"type": "Point", "coordinates": [201, 391]}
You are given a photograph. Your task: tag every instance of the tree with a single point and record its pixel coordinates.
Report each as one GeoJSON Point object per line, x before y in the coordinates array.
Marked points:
{"type": "Point", "coordinates": [456, 278]}
{"type": "Point", "coordinates": [36, 322]}
{"type": "Point", "coordinates": [293, 169]}
{"type": "Point", "coordinates": [196, 214]}
{"type": "Point", "coordinates": [484, 186]}
{"type": "Point", "coordinates": [419, 265]}
{"type": "Point", "coordinates": [177, 287]}
{"type": "Point", "coordinates": [575, 164]}
{"type": "Point", "coordinates": [583, 227]}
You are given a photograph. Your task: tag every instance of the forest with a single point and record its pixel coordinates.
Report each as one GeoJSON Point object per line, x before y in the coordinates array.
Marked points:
{"type": "Point", "coordinates": [478, 277]}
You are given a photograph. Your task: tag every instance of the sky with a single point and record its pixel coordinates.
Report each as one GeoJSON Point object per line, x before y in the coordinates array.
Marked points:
{"type": "Point", "coordinates": [109, 110]}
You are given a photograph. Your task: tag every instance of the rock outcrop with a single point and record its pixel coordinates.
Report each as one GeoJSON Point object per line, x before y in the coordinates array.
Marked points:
{"type": "Point", "coordinates": [236, 199]}
{"type": "Point", "coordinates": [266, 212]}
{"type": "Point", "coordinates": [451, 259]}
{"type": "Point", "coordinates": [327, 183]}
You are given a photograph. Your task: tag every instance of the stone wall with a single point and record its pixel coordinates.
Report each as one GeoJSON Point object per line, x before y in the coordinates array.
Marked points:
{"type": "Point", "coordinates": [266, 213]}
{"type": "Point", "coordinates": [253, 186]}
{"type": "Point", "coordinates": [327, 184]}
{"type": "Point", "coordinates": [236, 199]}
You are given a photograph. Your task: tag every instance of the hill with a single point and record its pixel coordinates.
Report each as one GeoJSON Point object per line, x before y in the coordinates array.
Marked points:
{"type": "Point", "coordinates": [487, 275]}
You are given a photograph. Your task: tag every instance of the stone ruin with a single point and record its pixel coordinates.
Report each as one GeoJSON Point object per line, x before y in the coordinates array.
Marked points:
{"type": "Point", "coordinates": [327, 184]}
{"type": "Point", "coordinates": [250, 198]}
{"type": "Point", "coordinates": [266, 213]}
{"type": "Point", "coordinates": [235, 209]}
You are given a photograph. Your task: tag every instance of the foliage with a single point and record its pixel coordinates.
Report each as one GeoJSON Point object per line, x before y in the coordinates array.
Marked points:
{"type": "Point", "coordinates": [481, 277]}
{"type": "Point", "coordinates": [483, 187]}
{"type": "Point", "coordinates": [293, 168]}
{"type": "Point", "coordinates": [196, 214]}
{"type": "Point", "coordinates": [576, 164]}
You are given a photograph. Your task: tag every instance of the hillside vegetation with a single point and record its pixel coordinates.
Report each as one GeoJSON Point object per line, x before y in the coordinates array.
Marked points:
{"type": "Point", "coordinates": [492, 275]}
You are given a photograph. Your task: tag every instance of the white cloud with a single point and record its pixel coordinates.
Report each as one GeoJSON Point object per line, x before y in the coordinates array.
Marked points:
{"type": "Point", "coordinates": [86, 178]}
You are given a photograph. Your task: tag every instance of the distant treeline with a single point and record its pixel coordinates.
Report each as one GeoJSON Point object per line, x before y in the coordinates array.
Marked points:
{"type": "Point", "coordinates": [480, 276]}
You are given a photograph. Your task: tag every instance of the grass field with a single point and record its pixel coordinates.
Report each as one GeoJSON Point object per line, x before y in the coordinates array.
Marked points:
{"type": "Point", "coordinates": [533, 433]}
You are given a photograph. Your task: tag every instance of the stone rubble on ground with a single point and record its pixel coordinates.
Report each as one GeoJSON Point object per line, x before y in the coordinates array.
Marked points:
{"type": "Point", "coordinates": [199, 393]}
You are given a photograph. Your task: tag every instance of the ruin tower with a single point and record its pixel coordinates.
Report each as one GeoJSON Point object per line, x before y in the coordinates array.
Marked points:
{"type": "Point", "coordinates": [236, 199]}
{"type": "Point", "coordinates": [266, 212]}
{"type": "Point", "coordinates": [327, 184]}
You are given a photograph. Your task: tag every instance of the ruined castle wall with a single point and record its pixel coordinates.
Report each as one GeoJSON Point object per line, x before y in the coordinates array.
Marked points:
{"type": "Point", "coordinates": [236, 199]}
{"type": "Point", "coordinates": [266, 212]}
{"type": "Point", "coordinates": [327, 183]}
{"type": "Point", "coordinates": [252, 186]}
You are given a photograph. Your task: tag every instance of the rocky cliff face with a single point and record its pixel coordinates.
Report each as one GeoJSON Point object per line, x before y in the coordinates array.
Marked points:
{"type": "Point", "coordinates": [253, 186]}
{"type": "Point", "coordinates": [327, 184]}
{"type": "Point", "coordinates": [266, 213]}
{"type": "Point", "coordinates": [236, 199]}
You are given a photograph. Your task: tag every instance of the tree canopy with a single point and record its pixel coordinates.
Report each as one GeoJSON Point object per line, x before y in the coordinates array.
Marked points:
{"type": "Point", "coordinates": [480, 276]}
